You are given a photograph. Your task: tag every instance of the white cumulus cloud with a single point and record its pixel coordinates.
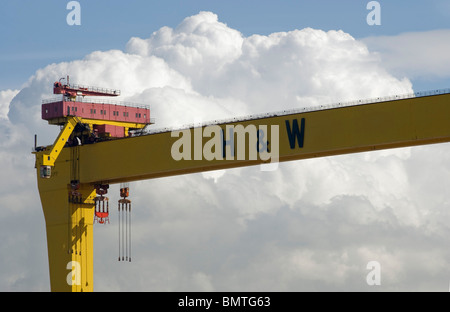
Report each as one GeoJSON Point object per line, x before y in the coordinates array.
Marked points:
{"type": "Point", "coordinates": [5, 98]}
{"type": "Point", "coordinates": [309, 225]}
{"type": "Point", "coordinates": [414, 54]}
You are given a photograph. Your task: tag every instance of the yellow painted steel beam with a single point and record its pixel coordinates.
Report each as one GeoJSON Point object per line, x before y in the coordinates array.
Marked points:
{"type": "Point", "coordinates": [132, 125]}
{"type": "Point", "coordinates": [70, 123]}
{"type": "Point", "coordinates": [351, 129]}
{"type": "Point", "coordinates": [69, 222]}
{"type": "Point", "coordinates": [50, 158]}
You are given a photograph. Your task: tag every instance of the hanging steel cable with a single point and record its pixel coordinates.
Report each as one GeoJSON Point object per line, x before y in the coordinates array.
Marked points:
{"type": "Point", "coordinates": [124, 224]}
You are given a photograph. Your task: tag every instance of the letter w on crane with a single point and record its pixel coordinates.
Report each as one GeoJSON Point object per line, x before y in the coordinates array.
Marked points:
{"type": "Point", "coordinates": [295, 132]}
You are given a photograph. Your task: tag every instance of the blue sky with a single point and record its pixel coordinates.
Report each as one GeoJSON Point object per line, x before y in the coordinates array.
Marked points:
{"type": "Point", "coordinates": [35, 33]}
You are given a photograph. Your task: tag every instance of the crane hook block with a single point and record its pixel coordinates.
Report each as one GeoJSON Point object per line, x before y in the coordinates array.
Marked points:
{"type": "Point", "coordinates": [101, 213]}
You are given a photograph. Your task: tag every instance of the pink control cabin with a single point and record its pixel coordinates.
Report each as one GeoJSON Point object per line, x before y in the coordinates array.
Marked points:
{"type": "Point", "coordinates": [55, 112]}
{"type": "Point", "coordinates": [104, 116]}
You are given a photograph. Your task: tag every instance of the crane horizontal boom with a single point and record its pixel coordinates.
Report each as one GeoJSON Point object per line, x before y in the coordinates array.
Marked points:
{"type": "Point", "coordinates": [360, 128]}
{"type": "Point", "coordinates": [265, 140]}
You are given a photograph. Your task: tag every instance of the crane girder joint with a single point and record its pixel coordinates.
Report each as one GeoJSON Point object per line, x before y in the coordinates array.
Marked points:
{"type": "Point", "coordinates": [49, 159]}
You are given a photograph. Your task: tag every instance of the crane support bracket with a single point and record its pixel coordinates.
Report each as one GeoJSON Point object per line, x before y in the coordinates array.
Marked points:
{"type": "Point", "coordinates": [50, 159]}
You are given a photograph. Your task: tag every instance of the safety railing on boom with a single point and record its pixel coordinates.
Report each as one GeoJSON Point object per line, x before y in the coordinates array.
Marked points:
{"type": "Point", "coordinates": [94, 89]}
{"type": "Point", "coordinates": [305, 109]}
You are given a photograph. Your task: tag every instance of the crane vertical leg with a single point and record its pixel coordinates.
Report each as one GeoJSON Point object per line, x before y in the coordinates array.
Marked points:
{"type": "Point", "coordinates": [69, 233]}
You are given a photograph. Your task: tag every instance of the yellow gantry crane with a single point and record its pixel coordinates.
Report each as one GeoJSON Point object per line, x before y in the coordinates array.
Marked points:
{"type": "Point", "coordinates": [74, 173]}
